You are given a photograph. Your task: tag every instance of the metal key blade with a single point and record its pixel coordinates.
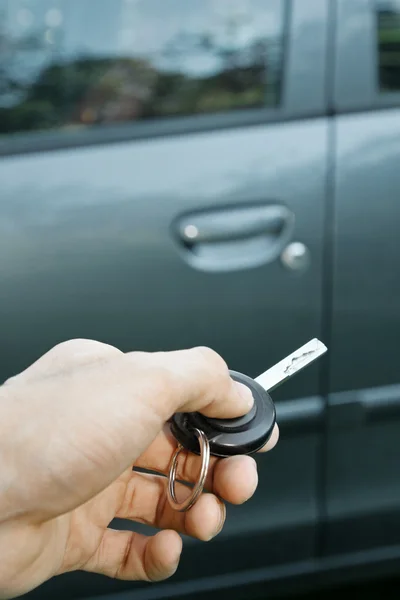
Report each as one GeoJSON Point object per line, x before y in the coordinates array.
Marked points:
{"type": "Point", "coordinates": [291, 365]}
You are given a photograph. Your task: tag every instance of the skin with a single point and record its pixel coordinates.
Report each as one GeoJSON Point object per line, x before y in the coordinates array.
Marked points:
{"type": "Point", "coordinates": [73, 426]}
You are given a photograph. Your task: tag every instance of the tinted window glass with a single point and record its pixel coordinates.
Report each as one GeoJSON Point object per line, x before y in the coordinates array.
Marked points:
{"type": "Point", "coordinates": [389, 45]}
{"type": "Point", "coordinates": [81, 63]}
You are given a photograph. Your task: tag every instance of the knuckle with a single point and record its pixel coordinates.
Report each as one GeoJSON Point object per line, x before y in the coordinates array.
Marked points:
{"type": "Point", "coordinates": [143, 363]}
{"type": "Point", "coordinates": [214, 370]}
{"type": "Point", "coordinates": [10, 381]}
{"type": "Point", "coordinates": [74, 344]}
{"type": "Point", "coordinates": [142, 367]}
{"type": "Point", "coordinates": [138, 359]}
{"type": "Point", "coordinates": [212, 358]}
{"type": "Point", "coordinates": [85, 347]}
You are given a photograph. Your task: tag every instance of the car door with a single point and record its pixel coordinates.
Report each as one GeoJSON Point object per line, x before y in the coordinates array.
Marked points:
{"type": "Point", "coordinates": [363, 486]}
{"type": "Point", "coordinates": [163, 185]}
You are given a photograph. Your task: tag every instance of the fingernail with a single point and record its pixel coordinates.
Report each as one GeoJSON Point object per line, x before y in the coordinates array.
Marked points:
{"type": "Point", "coordinates": [245, 393]}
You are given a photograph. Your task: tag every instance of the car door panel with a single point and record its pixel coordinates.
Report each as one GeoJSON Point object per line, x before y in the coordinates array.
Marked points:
{"type": "Point", "coordinates": [363, 442]}
{"type": "Point", "coordinates": [91, 227]}
{"type": "Point", "coordinates": [88, 248]}
{"type": "Point", "coordinates": [86, 237]}
{"type": "Point", "coordinates": [363, 448]}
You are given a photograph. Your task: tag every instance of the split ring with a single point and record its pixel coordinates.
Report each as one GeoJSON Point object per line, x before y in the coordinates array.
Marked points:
{"type": "Point", "coordinates": [199, 485]}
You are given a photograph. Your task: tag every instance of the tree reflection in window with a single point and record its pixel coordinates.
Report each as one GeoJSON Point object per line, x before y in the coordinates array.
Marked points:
{"type": "Point", "coordinates": [74, 63]}
{"type": "Point", "coordinates": [389, 45]}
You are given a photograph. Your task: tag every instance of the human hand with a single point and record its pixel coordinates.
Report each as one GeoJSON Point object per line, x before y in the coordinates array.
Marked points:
{"type": "Point", "coordinates": [73, 425]}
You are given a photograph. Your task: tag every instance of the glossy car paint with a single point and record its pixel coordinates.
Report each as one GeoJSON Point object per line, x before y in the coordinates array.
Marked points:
{"type": "Point", "coordinates": [363, 447]}
{"type": "Point", "coordinates": [87, 249]}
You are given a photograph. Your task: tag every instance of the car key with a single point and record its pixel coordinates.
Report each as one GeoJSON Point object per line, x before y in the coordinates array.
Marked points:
{"type": "Point", "coordinates": [247, 434]}
{"type": "Point", "coordinates": [242, 435]}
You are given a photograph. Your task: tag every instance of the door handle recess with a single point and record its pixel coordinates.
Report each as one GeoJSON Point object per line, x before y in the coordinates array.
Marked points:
{"type": "Point", "coordinates": [235, 237]}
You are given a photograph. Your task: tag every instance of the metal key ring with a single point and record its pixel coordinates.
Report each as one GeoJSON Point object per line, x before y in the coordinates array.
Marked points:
{"type": "Point", "coordinates": [198, 487]}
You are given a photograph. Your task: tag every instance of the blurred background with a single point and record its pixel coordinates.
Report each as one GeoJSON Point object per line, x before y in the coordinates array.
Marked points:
{"type": "Point", "coordinates": [223, 173]}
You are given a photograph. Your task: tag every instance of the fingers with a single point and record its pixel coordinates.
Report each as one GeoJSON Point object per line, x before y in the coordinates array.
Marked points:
{"type": "Point", "coordinates": [273, 440]}
{"type": "Point", "coordinates": [193, 380]}
{"type": "Point", "coordinates": [109, 408]}
{"type": "Point", "coordinates": [233, 486]}
{"type": "Point", "coordinates": [234, 479]}
{"type": "Point", "coordinates": [146, 501]}
{"type": "Point", "coordinates": [133, 556]}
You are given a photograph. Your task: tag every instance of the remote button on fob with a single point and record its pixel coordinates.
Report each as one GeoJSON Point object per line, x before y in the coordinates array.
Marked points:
{"type": "Point", "coordinates": [227, 437]}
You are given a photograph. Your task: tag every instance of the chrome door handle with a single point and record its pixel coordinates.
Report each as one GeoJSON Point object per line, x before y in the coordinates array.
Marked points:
{"type": "Point", "coordinates": [234, 237]}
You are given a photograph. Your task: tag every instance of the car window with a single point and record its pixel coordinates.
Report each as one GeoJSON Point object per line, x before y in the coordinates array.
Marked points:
{"type": "Point", "coordinates": [88, 63]}
{"type": "Point", "coordinates": [388, 24]}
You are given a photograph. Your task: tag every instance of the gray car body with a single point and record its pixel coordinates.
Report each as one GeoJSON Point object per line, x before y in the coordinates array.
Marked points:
{"type": "Point", "coordinates": [88, 249]}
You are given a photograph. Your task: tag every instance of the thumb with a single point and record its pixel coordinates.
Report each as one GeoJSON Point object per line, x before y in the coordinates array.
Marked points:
{"type": "Point", "coordinates": [198, 380]}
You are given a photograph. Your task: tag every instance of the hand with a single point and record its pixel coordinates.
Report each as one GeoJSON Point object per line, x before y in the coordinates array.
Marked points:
{"type": "Point", "coordinates": [72, 426]}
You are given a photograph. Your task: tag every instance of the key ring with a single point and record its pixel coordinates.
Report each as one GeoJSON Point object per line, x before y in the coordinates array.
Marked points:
{"type": "Point", "coordinates": [198, 488]}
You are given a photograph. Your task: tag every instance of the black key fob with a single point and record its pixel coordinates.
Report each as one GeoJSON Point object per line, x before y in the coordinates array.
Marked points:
{"type": "Point", "coordinates": [227, 437]}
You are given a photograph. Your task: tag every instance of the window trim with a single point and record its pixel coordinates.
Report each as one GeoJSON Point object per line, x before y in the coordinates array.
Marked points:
{"type": "Point", "coordinates": [112, 134]}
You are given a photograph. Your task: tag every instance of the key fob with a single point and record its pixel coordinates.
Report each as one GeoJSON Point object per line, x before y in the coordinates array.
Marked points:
{"type": "Point", "coordinates": [227, 437]}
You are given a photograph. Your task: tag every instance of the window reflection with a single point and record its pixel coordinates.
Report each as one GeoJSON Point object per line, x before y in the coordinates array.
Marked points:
{"type": "Point", "coordinates": [389, 45]}
{"type": "Point", "coordinates": [74, 63]}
